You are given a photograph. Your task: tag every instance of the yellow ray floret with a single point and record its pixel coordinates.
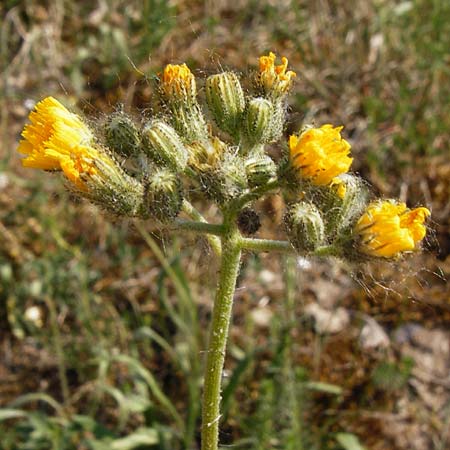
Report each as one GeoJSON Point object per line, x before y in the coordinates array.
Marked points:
{"type": "Point", "coordinates": [320, 154]}
{"type": "Point", "coordinates": [272, 77]}
{"type": "Point", "coordinates": [178, 82]}
{"type": "Point", "coordinates": [57, 139]}
{"type": "Point", "coordinates": [388, 228]}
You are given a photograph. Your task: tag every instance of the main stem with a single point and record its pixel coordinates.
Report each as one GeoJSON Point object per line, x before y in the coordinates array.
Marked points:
{"type": "Point", "coordinates": [231, 255]}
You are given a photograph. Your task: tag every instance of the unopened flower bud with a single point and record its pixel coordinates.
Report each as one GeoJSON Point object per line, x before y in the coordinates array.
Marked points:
{"type": "Point", "coordinates": [305, 227]}
{"type": "Point", "coordinates": [346, 201]}
{"type": "Point", "coordinates": [260, 169]}
{"type": "Point", "coordinates": [180, 93]}
{"type": "Point", "coordinates": [111, 187]}
{"type": "Point", "coordinates": [278, 120]}
{"type": "Point", "coordinates": [226, 180]}
{"type": "Point", "coordinates": [122, 135]}
{"type": "Point", "coordinates": [226, 101]}
{"type": "Point", "coordinates": [189, 123]}
{"type": "Point", "coordinates": [257, 121]}
{"type": "Point", "coordinates": [163, 197]}
{"type": "Point", "coordinates": [163, 145]}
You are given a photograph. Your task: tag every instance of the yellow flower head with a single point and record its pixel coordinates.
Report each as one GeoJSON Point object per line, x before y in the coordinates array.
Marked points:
{"type": "Point", "coordinates": [274, 79]}
{"type": "Point", "coordinates": [320, 154]}
{"type": "Point", "coordinates": [178, 82]}
{"type": "Point", "coordinates": [57, 139]}
{"type": "Point", "coordinates": [388, 228]}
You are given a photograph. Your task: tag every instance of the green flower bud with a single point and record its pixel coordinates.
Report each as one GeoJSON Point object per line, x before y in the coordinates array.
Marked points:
{"type": "Point", "coordinates": [180, 93]}
{"type": "Point", "coordinates": [345, 202]}
{"type": "Point", "coordinates": [260, 169]}
{"type": "Point", "coordinates": [163, 145]}
{"type": "Point", "coordinates": [257, 121]}
{"type": "Point", "coordinates": [350, 201]}
{"type": "Point", "coordinates": [305, 227]}
{"type": "Point", "coordinates": [110, 187]}
{"type": "Point", "coordinates": [163, 195]}
{"type": "Point", "coordinates": [227, 180]}
{"type": "Point", "coordinates": [277, 122]}
{"type": "Point", "coordinates": [188, 120]}
{"type": "Point", "coordinates": [122, 135]}
{"type": "Point", "coordinates": [291, 186]}
{"type": "Point", "coordinates": [226, 101]}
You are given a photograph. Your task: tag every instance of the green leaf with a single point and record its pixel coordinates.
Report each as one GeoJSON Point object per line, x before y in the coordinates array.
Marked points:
{"type": "Point", "coordinates": [142, 436]}
{"type": "Point", "coordinates": [349, 441]}
{"type": "Point", "coordinates": [148, 377]}
{"type": "Point", "coordinates": [323, 387]}
{"type": "Point", "coordinates": [39, 397]}
{"type": "Point", "coordinates": [10, 413]}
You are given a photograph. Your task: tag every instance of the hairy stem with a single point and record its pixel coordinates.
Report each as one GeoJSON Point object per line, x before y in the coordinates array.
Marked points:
{"type": "Point", "coordinates": [290, 321]}
{"type": "Point", "coordinates": [266, 245]}
{"type": "Point", "coordinates": [231, 255]}
{"type": "Point", "coordinates": [199, 227]}
{"type": "Point", "coordinates": [270, 245]}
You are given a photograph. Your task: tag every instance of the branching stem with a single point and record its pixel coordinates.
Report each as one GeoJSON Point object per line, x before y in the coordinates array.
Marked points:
{"type": "Point", "coordinates": [200, 227]}
{"type": "Point", "coordinates": [214, 241]}
{"type": "Point", "coordinates": [266, 245]}
{"type": "Point", "coordinates": [228, 244]}
{"type": "Point", "coordinates": [255, 194]}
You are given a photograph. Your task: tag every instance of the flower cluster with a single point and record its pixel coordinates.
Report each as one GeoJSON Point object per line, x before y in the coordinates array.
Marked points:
{"type": "Point", "coordinates": [146, 169]}
{"type": "Point", "coordinates": [320, 159]}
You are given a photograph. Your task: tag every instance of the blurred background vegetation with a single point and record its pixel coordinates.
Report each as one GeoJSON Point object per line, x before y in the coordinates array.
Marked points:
{"type": "Point", "coordinates": [102, 324]}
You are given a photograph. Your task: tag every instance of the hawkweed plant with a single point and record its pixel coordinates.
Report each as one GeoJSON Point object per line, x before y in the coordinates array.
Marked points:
{"type": "Point", "coordinates": [147, 171]}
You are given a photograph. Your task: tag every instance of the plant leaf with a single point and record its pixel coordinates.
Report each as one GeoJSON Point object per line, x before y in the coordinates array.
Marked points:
{"type": "Point", "coordinates": [349, 441]}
